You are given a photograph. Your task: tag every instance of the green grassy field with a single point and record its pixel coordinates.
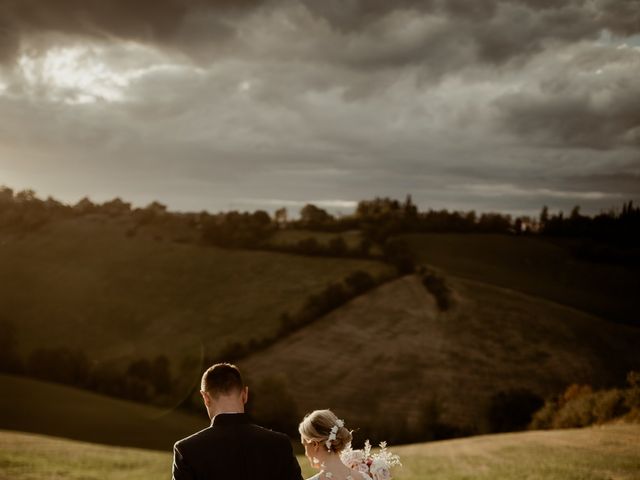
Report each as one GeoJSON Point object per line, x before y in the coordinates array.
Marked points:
{"type": "Point", "coordinates": [83, 283]}
{"type": "Point", "coordinates": [602, 453]}
{"type": "Point", "coordinates": [537, 267]}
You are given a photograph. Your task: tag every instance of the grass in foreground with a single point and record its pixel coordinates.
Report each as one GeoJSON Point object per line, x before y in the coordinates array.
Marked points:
{"type": "Point", "coordinates": [609, 452]}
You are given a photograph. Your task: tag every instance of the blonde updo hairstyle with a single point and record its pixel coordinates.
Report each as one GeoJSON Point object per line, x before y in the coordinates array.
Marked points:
{"type": "Point", "coordinates": [316, 427]}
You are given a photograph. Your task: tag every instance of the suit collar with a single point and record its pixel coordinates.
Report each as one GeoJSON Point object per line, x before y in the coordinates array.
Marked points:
{"type": "Point", "coordinates": [230, 419]}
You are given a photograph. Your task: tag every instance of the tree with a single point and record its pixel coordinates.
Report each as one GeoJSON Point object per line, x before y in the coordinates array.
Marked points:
{"type": "Point", "coordinates": [410, 210]}
{"type": "Point", "coordinates": [314, 217]}
{"type": "Point", "coordinates": [25, 196]}
{"type": "Point", "coordinates": [280, 216]}
{"type": "Point", "coordinates": [6, 195]}
{"type": "Point", "coordinates": [115, 207]}
{"type": "Point", "coordinates": [85, 206]}
{"type": "Point", "coordinates": [544, 218]}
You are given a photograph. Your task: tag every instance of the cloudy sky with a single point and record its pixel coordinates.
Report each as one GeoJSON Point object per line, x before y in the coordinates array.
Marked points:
{"type": "Point", "coordinates": [240, 104]}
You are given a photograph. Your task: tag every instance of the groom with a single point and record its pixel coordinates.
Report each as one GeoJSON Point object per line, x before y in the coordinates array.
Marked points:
{"type": "Point", "coordinates": [232, 447]}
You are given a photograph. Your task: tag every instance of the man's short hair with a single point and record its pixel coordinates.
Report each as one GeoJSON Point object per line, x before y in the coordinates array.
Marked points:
{"type": "Point", "coordinates": [222, 379]}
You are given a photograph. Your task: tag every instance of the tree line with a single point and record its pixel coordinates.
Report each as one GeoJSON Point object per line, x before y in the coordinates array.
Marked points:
{"type": "Point", "coordinates": [145, 380]}
{"type": "Point", "coordinates": [378, 219]}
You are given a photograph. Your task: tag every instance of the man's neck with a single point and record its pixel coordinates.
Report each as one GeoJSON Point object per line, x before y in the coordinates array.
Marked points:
{"type": "Point", "coordinates": [227, 409]}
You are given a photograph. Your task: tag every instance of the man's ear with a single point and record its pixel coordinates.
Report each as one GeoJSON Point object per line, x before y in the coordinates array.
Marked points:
{"type": "Point", "coordinates": [245, 395]}
{"type": "Point", "coordinates": [205, 397]}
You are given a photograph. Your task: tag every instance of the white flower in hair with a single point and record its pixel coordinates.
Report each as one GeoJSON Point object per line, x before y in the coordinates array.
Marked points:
{"type": "Point", "coordinates": [333, 435]}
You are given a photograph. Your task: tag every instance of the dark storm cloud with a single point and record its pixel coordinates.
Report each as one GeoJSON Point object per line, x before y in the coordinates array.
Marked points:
{"type": "Point", "coordinates": [140, 20]}
{"type": "Point", "coordinates": [500, 104]}
{"type": "Point", "coordinates": [592, 101]}
{"type": "Point", "coordinates": [571, 120]}
{"type": "Point", "coordinates": [498, 30]}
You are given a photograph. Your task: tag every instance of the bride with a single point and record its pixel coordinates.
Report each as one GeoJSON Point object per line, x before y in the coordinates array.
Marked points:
{"type": "Point", "coordinates": [324, 436]}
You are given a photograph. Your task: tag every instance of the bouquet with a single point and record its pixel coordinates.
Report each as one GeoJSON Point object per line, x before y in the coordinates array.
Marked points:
{"type": "Point", "coordinates": [376, 465]}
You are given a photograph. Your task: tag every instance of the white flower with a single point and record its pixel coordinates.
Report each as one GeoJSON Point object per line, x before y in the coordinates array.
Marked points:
{"type": "Point", "coordinates": [375, 465]}
{"type": "Point", "coordinates": [352, 458]}
{"type": "Point", "coordinates": [328, 474]}
{"type": "Point", "coordinates": [340, 423]}
{"type": "Point", "coordinates": [380, 470]}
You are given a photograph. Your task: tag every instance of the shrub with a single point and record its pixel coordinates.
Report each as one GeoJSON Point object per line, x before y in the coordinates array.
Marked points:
{"type": "Point", "coordinates": [543, 418]}
{"type": "Point", "coordinates": [580, 406]}
{"type": "Point", "coordinates": [632, 397]}
{"type": "Point", "coordinates": [608, 405]}
{"type": "Point", "coordinates": [437, 286]}
{"type": "Point", "coordinates": [576, 413]}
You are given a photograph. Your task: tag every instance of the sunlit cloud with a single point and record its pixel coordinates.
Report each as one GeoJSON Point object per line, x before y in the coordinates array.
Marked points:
{"type": "Point", "coordinates": [73, 75]}
{"type": "Point", "coordinates": [90, 73]}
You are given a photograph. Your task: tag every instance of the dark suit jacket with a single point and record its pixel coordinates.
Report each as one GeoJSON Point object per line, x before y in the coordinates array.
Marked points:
{"type": "Point", "coordinates": [233, 448]}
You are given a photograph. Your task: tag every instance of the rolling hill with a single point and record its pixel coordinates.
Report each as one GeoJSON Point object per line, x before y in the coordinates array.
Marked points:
{"type": "Point", "coordinates": [593, 453]}
{"type": "Point", "coordinates": [536, 266]}
{"type": "Point", "coordinates": [41, 407]}
{"type": "Point", "coordinates": [89, 283]}
{"type": "Point", "coordinates": [394, 351]}
{"type": "Point", "coordinates": [118, 292]}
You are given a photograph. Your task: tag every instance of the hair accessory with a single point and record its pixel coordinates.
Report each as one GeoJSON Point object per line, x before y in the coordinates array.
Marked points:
{"type": "Point", "coordinates": [334, 433]}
